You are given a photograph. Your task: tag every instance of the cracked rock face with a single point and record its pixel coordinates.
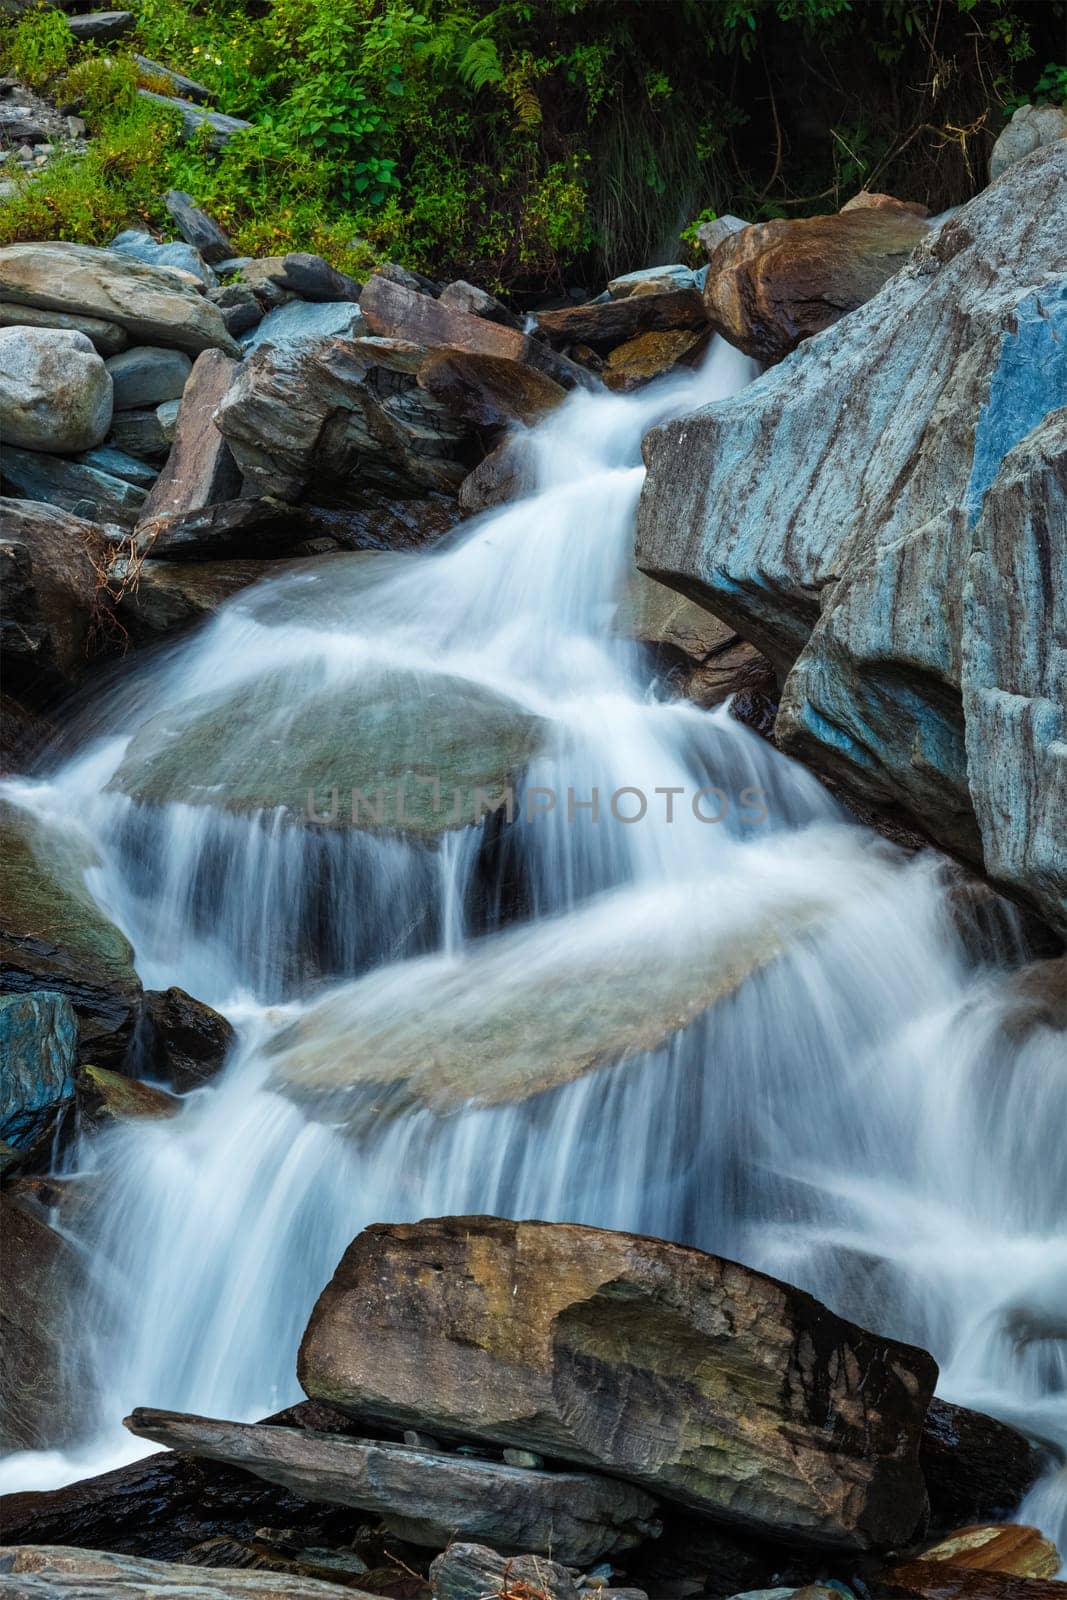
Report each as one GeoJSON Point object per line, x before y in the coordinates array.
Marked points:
{"type": "Point", "coordinates": [705, 1383]}
{"type": "Point", "coordinates": [883, 515]}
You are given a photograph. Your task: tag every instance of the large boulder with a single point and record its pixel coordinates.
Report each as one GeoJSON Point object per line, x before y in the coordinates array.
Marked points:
{"type": "Point", "coordinates": [200, 471]}
{"type": "Point", "coordinates": [152, 304]}
{"type": "Point", "coordinates": [487, 391]}
{"type": "Point", "coordinates": [775, 283]}
{"type": "Point", "coordinates": [883, 515]}
{"type": "Point", "coordinates": [52, 936]}
{"type": "Point", "coordinates": [50, 561]}
{"type": "Point", "coordinates": [610, 322]}
{"type": "Point", "coordinates": [42, 1393]}
{"type": "Point", "coordinates": [63, 1572]}
{"type": "Point", "coordinates": [707, 1383]}
{"type": "Point", "coordinates": [427, 1497]}
{"type": "Point", "coordinates": [188, 1040]}
{"type": "Point", "coordinates": [38, 1050]}
{"type": "Point", "coordinates": [55, 391]}
{"type": "Point", "coordinates": [974, 1466]}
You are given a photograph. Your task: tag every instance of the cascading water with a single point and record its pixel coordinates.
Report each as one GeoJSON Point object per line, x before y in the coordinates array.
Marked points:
{"type": "Point", "coordinates": [707, 1007]}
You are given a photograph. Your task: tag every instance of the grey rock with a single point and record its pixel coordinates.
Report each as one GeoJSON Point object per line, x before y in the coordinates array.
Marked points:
{"type": "Point", "coordinates": [200, 470]}
{"type": "Point", "coordinates": [299, 321]}
{"type": "Point", "coordinates": [107, 337]}
{"type": "Point", "coordinates": [100, 25]}
{"type": "Point", "coordinates": [152, 304]}
{"type": "Point", "coordinates": [197, 228]}
{"type": "Point", "coordinates": [711, 234]}
{"type": "Point", "coordinates": [241, 311]}
{"type": "Point", "coordinates": [84, 491]}
{"type": "Point", "coordinates": [407, 279]}
{"type": "Point", "coordinates": [878, 577]}
{"type": "Point", "coordinates": [651, 280]}
{"type": "Point", "coordinates": [43, 1379]}
{"type": "Point", "coordinates": [182, 257]}
{"type": "Point", "coordinates": [148, 375]}
{"type": "Point", "coordinates": [523, 1458]}
{"type": "Point", "coordinates": [1029, 129]}
{"type": "Point", "coordinates": [463, 296]}
{"type": "Point", "coordinates": [194, 117]}
{"type": "Point", "coordinates": [38, 1052]}
{"type": "Point", "coordinates": [62, 1572]}
{"type": "Point", "coordinates": [234, 264]}
{"type": "Point", "coordinates": [172, 595]}
{"type": "Point", "coordinates": [117, 464]}
{"type": "Point", "coordinates": [308, 276]}
{"type": "Point", "coordinates": [185, 88]}
{"type": "Point", "coordinates": [254, 526]}
{"type": "Point", "coordinates": [423, 1497]}
{"type": "Point", "coordinates": [55, 391]}
{"type": "Point", "coordinates": [167, 416]}
{"type": "Point", "coordinates": [473, 1571]}
{"type": "Point", "coordinates": [139, 433]}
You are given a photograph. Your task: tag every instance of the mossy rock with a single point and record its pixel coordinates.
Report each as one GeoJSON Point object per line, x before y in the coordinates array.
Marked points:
{"type": "Point", "coordinates": [112, 1097]}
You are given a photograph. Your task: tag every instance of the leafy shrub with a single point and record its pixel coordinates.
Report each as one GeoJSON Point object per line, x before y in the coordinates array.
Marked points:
{"type": "Point", "coordinates": [39, 46]}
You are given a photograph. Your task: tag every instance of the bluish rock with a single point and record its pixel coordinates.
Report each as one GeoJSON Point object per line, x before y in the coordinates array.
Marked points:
{"type": "Point", "coordinates": [82, 490]}
{"type": "Point", "coordinates": [652, 279]}
{"type": "Point", "coordinates": [142, 247]}
{"type": "Point", "coordinates": [117, 464]}
{"type": "Point", "coordinates": [148, 375]}
{"type": "Point", "coordinates": [38, 1049]}
{"type": "Point", "coordinates": [302, 320]}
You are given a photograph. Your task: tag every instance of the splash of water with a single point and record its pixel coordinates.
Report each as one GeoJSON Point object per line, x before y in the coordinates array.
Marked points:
{"type": "Point", "coordinates": [762, 1035]}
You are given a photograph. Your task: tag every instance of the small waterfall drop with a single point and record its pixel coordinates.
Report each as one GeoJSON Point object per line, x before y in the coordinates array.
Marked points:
{"type": "Point", "coordinates": [761, 1032]}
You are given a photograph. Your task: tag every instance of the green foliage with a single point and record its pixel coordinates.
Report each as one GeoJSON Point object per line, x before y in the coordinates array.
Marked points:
{"type": "Point", "coordinates": [521, 141]}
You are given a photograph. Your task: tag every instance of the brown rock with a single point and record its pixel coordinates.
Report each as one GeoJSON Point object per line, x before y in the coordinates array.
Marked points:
{"type": "Point", "coordinates": [871, 201]}
{"type": "Point", "coordinates": [717, 1387]}
{"type": "Point", "coordinates": [396, 311]}
{"type": "Point", "coordinates": [112, 1097]}
{"type": "Point", "coordinates": [463, 296]}
{"type": "Point", "coordinates": [505, 474]}
{"type": "Point", "coordinates": [488, 391]}
{"type": "Point", "coordinates": [258, 527]}
{"type": "Point", "coordinates": [200, 471]}
{"type": "Point", "coordinates": [974, 1466]}
{"type": "Point", "coordinates": [384, 522]}
{"type": "Point", "coordinates": [189, 1041]}
{"type": "Point", "coordinates": [1006, 1547]}
{"type": "Point", "coordinates": [55, 1571]}
{"type": "Point", "coordinates": [609, 322]}
{"type": "Point", "coordinates": [776, 283]}
{"type": "Point", "coordinates": [937, 1580]}
{"type": "Point", "coordinates": [49, 560]}
{"type": "Point", "coordinates": [425, 1497]}
{"type": "Point", "coordinates": [473, 1571]}
{"type": "Point", "coordinates": [650, 355]}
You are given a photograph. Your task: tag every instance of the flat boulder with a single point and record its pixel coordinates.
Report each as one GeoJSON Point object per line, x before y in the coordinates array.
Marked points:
{"type": "Point", "coordinates": [307, 321]}
{"type": "Point", "coordinates": [55, 391]}
{"type": "Point", "coordinates": [488, 391]}
{"type": "Point", "coordinates": [940, 1580]}
{"type": "Point", "coordinates": [775, 284]}
{"type": "Point", "coordinates": [611, 322]}
{"type": "Point", "coordinates": [633, 364]}
{"type": "Point", "coordinates": [84, 491]}
{"type": "Point", "coordinates": [706, 1383]}
{"type": "Point", "coordinates": [107, 338]}
{"type": "Point", "coordinates": [149, 303]}
{"type": "Point", "coordinates": [426, 1497]}
{"type": "Point", "coordinates": [915, 449]}
{"type": "Point", "coordinates": [64, 1572]}
{"type": "Point", "coordinates": [1002, 1547]}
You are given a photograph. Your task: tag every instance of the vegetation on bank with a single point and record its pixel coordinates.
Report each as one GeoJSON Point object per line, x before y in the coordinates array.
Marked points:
{"type": "Point", "coordinates": [532, 141]}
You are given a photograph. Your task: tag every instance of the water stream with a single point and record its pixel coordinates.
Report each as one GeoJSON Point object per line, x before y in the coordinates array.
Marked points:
{"type": "Point", "coordinates": [755, 1027]}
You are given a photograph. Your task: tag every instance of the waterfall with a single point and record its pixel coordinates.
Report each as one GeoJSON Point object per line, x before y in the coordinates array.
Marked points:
{"type": "Point", "coordinates": [678, 992]}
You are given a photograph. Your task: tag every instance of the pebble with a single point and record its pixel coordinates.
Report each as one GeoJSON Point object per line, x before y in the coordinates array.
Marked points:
{"type": "Point", "coordinates": [524, 1458]}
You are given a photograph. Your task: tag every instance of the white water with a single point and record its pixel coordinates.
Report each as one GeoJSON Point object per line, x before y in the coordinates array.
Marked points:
{"type": "Point", "coordinates": [851, 1114]}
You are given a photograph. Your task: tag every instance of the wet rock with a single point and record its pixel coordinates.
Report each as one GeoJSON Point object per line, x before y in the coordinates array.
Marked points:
{"type": "Point", "coordinates": [258, 527]}
{"type": "Point", "coordinates": [188, 1040]}
{"type": "Point", "coordinates": [185, 88]}
{"type": "Point", "coordinates": [300, 321]}
{"type": "Point", "coordinates": [424, 1497]}
{"type": "Point", "coordinates": [382, 729]}
{"type": "Point", "coordinates": [384, 522]}
{"type": "Point", "coordinates": [463, 296]}
{"type": "Point", "coordinates": [398, 312]}
{"type": "Point", "coordinates": [38, 1047]}
{"type": "Point", "coordinates": [49, 562]}
{"type": "Point", "coordinates": [107, 338]}
{"type": "Point", "coordinates": [974, 1466]}
{"type": "Point", "coordinates": [241, 311]}
{"type": "Point", "coordinates": [305, 275]}
{"type": "Point", "coordinates": [60, 1572]}
{"type": "Point", "coordinates": [194, 225]}
{"type": "Point", "coordinates": [473, 1571]}
{"type": "Point", "coordinates": [652, 280]}
{"type": "Point", "coordinates": [146, 376]}
{"type": "Point", "coordinates": [53, 937]}
{"type": "Point", "coordinates": [1030, 128]}
{"type": "Point", "coordinates": [150, 303]}
{"type": "Point", "coordinates": [23, 733]}
{"type": "Point", "coordinates": [776, 283]}
{"type": "Point", "coordinates": [105, 1097]}
{"type": "Point", "coordinates": [193, 117]}
{"type": "Point", "coordinates": [633, 364]}
{"type": "Point", "coordinates": [100, 25]}
{"type": "Point", "coordinates": [707, 1383]}
{"type": "Point", "coordinates": [186, 262]}
{"type": "Point", "coordinates": [55, 393]}
{"type": "Point", "coordinates": [332, 416]}
{"type": "Point", "coordinates": [172, 595]}
{"type": "Point", "coordinates": [40, 1373]}
{"type": "Point", "coordinates": [117, 464]}
{"type": "Point", "coordinates": [200, 471]}
{"type": "Point", "coordinates": [611, 322]}
{"type": "Point", "coordinates": [1004, 1548]}
{"type": "Point", "coordinates": [939, 389]}
{"type": "Point", "coordinates": [938, 1580]}
{"type": "Point", "coordinates": [488, 391]}
{"type": "Point", "coordinates": [506, 473]}
{"type": "Point", "coordinates": [85, 492]}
